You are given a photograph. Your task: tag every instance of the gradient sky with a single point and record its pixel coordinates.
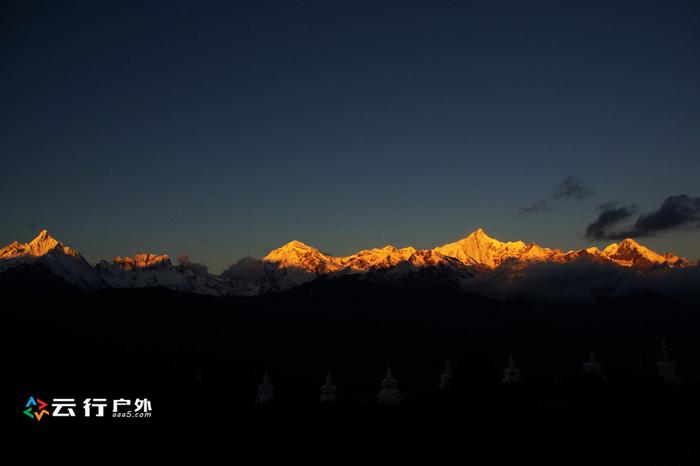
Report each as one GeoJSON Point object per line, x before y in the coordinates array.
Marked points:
{"type": "Point", "coordinates": [226, 129]}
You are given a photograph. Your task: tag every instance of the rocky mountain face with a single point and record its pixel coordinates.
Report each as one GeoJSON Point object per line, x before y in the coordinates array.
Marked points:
{"type": "Point", "coordinates": [296, 263]}
{"type": "Point", "coordinates": [142, 261]}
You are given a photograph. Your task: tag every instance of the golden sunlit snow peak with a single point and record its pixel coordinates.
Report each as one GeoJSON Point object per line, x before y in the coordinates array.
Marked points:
{"type": "Point", "coordinates": [41, 245]}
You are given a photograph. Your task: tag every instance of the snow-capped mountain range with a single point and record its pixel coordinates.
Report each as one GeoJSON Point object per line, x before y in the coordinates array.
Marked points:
{"type": "Point", "coordinates": [296, 263]}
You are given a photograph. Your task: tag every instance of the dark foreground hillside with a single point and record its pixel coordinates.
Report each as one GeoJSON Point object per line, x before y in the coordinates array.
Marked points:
{"type": "Point", "coordinates": [200, 359]}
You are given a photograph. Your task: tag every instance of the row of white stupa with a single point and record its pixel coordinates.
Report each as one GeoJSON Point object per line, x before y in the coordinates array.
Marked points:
{"type": "Point", "coordinates": [389, 393]}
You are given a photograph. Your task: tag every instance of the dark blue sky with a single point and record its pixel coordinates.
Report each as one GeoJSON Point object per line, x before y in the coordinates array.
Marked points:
{"type": "Point", "coordinates": [222, 129]}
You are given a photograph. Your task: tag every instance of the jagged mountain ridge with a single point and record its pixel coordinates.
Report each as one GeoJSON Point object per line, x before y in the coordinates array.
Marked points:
{"type": "Point", "coordinates": [475, 250]}
{"type": "Point", "coordinates": [298, 254]}
{"type": "Point", "coordinates": [296, 263]}
{"type": "Point", "coordinates": [154, 270]}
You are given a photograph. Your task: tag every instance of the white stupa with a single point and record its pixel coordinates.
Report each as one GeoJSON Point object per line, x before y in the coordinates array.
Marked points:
{"type": "Point", "coordinates": [446, 377]}
{"type": "Point", "coordinates": [389, 393]}
{"type": "Point", "coordinates": [511, 374]}
{"type": "Point", "coordinates": [593, 367]}
{"type": "Point", "coordinates": [266, 391]}
{"type": "Point", "coordinates": [328, 390]}
{"type": "Point", "coordinates": [665, 368]}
